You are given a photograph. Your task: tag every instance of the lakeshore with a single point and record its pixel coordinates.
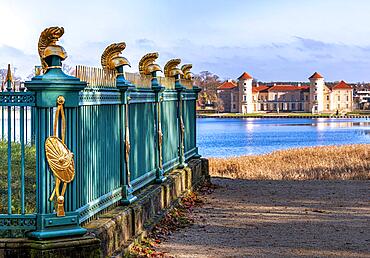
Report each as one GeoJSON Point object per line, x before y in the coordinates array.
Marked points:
{"type": "Point", "coordinates": [227, 137]}
{"type": "Point", "coordinates": [365, 115]}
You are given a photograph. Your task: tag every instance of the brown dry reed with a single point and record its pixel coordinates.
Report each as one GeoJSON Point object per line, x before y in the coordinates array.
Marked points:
{"type": "Point", "coordinates": [347, 162]}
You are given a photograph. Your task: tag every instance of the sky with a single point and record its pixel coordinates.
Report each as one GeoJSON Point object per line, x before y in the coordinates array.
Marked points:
{"type": "Point", "coordinates": [273, 40]}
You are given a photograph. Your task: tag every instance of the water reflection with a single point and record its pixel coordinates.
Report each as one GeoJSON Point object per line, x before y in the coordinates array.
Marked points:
{"type": "Point", "coordinates": [230, 137]}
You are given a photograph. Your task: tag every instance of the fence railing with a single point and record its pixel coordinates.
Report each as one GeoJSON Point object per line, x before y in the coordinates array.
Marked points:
{"type": "Point", "coordinates": [124, 136]}
{"type": "Point", "coordinates": [17, 160]}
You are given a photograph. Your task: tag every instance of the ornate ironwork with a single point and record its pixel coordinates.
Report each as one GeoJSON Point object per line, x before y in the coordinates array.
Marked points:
{"type": "Point", "coordinates": [17, 99]}
{"type": "Point", "coordinates": [60, 159]}
{"type": "Point", "coordinates": [47, 45]}
{"type": "Point", "coordinates": [100, 97]}
{"type": "Point", "coordinates": [12, 222]}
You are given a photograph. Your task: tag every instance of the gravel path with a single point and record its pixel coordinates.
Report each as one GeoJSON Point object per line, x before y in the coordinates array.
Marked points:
{"type": "Point", "coordinates": [278, 219]}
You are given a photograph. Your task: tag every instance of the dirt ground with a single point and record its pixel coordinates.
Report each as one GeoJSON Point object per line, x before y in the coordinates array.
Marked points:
{"type": "Point", "coordinates": [278, 219]}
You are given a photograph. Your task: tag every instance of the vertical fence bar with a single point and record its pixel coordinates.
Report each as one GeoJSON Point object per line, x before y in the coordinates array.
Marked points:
{"type": "Point", "coordinates": [9, 160]}
{"type": "Point", "coordinates": [21, 120]}
{"type": "Point", "coordinates": [14, 125]}
{"type": "Point", "coordinates": [196, 89]}
{"type": "Point", "coordinates": [158, 89]}
{"type": "Point", "coordinates": [9, 85]}
{"type": "Point", "coordinates": [2, 123]}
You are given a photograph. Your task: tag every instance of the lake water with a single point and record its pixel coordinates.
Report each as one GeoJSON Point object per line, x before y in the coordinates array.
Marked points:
{"type": "Point", "coordinates": [223, 137]}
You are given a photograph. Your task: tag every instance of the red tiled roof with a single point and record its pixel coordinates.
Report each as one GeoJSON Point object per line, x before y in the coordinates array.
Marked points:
{"type": "Point", "coordinates": [288, 88]}
{"type": "Point", "coordinates": [227, 86]}
{"type": "Point", "coordinates": [245, 76]}
{"type": "Point", "coordinates": [259, 88]}
{"type": "Point", "coordinates": [342, 85]}
{"type": "Point", "coordinates": [316, 75]}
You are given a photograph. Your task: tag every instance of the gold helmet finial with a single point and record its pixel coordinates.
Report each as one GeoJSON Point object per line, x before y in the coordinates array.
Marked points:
{"type": "Point", "coordinates": [147, 65]}
{"type": "Point", "coordinates": [171, 69]}
{"type": "Point", "coordinates": [188, 75]}
{"type": "Point", "coordinates": [47, 45]}
{"type": "Point", "coordinates": [111, 59]}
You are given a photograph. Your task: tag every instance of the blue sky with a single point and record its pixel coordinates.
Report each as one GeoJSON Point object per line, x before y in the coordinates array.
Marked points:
{"type": "Point", "coordinates": [273, 40]}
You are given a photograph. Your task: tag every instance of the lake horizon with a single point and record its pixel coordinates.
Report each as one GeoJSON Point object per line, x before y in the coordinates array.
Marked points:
{"type": "Point", "coordinates": [229, 137]}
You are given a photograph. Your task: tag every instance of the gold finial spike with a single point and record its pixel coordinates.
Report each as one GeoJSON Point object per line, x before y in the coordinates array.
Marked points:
{"type": "Point", "coordinates": [188, 75]}
{"type": "Point", "coordinates": [147, 65]}
{"type": "Point", "coordinates": [171, 69]}
{"type": "Point", "coordinates": [9, 77]}
{"type": "Point", "coordinates": [110, 59]}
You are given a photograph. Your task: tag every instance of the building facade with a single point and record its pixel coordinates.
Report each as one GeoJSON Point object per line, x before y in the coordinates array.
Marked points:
{"type": "Point", "coordinates": [243, 96]}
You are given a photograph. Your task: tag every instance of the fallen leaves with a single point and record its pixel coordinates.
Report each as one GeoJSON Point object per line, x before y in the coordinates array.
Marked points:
{"type": "Point", "coordinates": [177, 218]}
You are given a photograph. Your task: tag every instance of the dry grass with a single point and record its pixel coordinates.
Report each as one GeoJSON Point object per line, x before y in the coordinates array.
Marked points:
{"type": "Point", "coordinates": [330, 162]}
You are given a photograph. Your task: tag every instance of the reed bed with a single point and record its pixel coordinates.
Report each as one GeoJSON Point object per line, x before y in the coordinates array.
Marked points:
{"type": "Point", "coordinates": [346, 162]}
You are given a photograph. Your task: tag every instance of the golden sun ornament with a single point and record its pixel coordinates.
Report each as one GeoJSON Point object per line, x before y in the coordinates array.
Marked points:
{"type": "Point", "coordinates": [60, 159]}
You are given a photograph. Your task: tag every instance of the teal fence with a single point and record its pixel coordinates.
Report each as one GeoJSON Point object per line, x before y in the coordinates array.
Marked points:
{"type": "Point", "coordinates": [17, 166]}
{"type": "Point", "coordinates": [124, 136]}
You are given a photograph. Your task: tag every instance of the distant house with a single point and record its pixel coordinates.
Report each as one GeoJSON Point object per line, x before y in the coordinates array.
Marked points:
{"type": "Point", "coordinates": [229, 95]}
{"type": "Point", "coordinates": [363, 99]}
{"type": "Point", "coordinates": [317, 97]}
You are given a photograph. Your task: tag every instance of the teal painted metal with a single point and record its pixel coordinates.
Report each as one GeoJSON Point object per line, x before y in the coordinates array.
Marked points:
{"type": "Point", "coordinates": [98, 121]}
{"type": "Point", "coordinates": [170, 130]}
{"type": "Point", "coordinates": [13, 124]}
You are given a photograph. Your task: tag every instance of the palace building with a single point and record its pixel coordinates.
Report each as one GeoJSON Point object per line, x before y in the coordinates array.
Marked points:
{"type": "Point", "coordinates": [244, 96]}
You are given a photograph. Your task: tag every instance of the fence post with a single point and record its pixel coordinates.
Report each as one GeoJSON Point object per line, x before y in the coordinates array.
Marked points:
{"type": "Point", "coordinates": [125, 87]}
{"type": "Point", "coordinates": [158, 89]}
{"type": "Point", "coordinates": [180, 104]}
{"type": "Point", "coordinates": [196, 90]}
{"type": "Point", "coordinates": [47, 89]}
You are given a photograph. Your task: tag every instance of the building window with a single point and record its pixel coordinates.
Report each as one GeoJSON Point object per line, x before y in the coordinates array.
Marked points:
{"type": "Point", "coordinates": [245, 83]}
{"type": "Point", "coordinates": [327, 97]}
{"type": "Point", "coordinates": [275, 97]}
{"type": "Point", "coordinates": [293, 106]}
{"type": "Point", "coordinates": [245, 98]}
{"type": "Point", "coordinates": [275, 107]}
{"type": "Point", "coordinates": [306, 97]}
{"type": "Point", "coordinates": [234, 106]}
{"type": "Point", "coordinates": [315, 83]}
{"type": "Point", "coordinates": [338, 98]}
{"type": "Point", "coordinates": [338, 105]}
{"type": "Point", "coordinates": [315, 97]}
{"type": "Point", "coordinates": [347, 106]}
{"type": "Point", "coordinates": [327, 106]}
{"type": "Point", "coordinates": [347, 98]}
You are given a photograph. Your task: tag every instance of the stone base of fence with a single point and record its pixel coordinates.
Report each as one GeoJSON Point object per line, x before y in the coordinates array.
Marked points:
{"type": "Point", "coordinates": [113, 232]}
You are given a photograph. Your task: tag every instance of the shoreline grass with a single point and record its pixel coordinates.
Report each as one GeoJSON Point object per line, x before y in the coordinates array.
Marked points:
{"type": "Point", "coordinates": [346, 162]}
